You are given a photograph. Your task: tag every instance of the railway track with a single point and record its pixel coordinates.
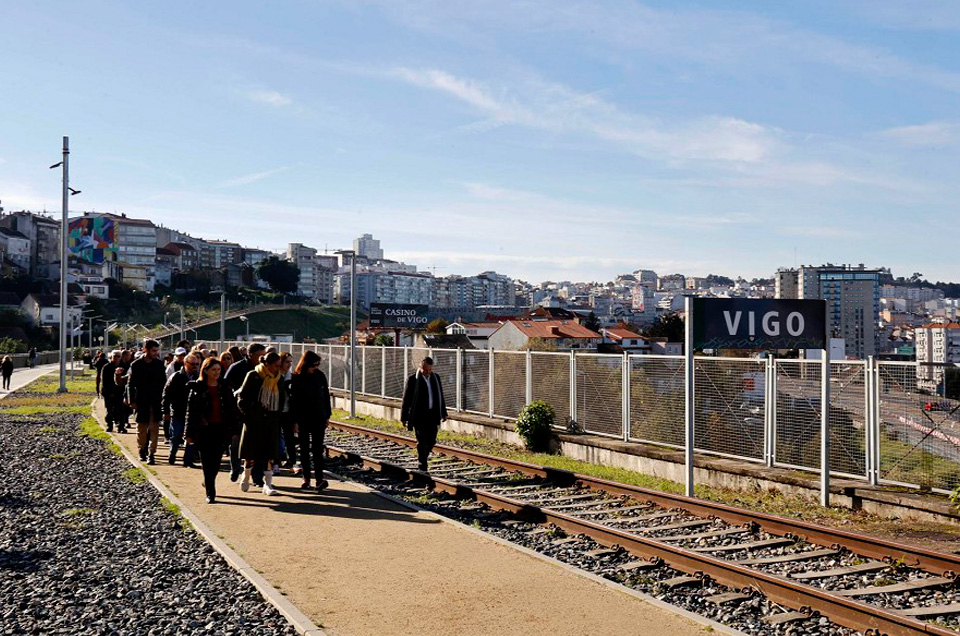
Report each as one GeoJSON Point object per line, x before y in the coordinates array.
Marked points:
{"type": "Point", "coordinates": [857, 581]}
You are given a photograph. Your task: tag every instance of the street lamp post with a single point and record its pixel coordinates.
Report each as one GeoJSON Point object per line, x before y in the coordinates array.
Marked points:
{"type": "Point", "coordinates": [246, 321]}
{"type": "Point", "coordinates": [353, 329]}
{"type": "Point", "coordinates": [63, 264]}
{"type": "Point", "coordinates": [223, 315]}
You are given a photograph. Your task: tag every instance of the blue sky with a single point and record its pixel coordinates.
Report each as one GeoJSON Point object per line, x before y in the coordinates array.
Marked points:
{"type": "Point", "coordinates": [546, 140]}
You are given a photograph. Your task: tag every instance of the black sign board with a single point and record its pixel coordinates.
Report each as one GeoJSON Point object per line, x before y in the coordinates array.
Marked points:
{"type": "Point", "coordinates": [749, 323]}
{"type": "Point", "coordinates": [394, 316]}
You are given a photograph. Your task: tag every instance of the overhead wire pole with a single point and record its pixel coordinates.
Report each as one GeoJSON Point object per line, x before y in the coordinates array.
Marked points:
{"type": "Point", "coordinates": [63, 267]}
{"type": "Point", "coordinates": [353, 329]}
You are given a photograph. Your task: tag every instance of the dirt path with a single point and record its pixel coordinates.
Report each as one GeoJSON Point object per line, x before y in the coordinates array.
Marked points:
{"type": "Point", "coordinates": [358, 564]}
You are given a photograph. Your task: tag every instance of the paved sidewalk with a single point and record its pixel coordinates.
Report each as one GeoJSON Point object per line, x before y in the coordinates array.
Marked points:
{"type": "Point", "coordinates": [23, 376]}
{"type": "Point", "coordinates": [359, 564]}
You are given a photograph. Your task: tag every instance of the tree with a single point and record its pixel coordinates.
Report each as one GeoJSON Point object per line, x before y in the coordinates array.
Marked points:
{"type": "Point", "coordinates": [282, 276]}
{"type": "Point", "coordinates": [669, 326]}
{"type": "Point", "coordinates": [438, 325]}
{"type": "Point", "coordinates": [383, 340]}
{"type": "Point", "coordinates": [591, 322]}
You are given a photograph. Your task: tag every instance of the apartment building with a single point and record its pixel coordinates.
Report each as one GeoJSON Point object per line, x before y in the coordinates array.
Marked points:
{"type": "Point", "coordinates": [305, 259]}
{"type": "Point", "coordinates": [937, 346]}
{"type": "Point", "coordinates": [368, 247]}
{"type": "Point", "coordinates": [215, 254]}
{"type": "Point", "coordinates": [43, 232]}
{"type": "Point", "coordinates": [786, 283]}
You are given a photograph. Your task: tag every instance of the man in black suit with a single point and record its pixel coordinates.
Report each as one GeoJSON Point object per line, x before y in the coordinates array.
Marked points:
{"type": "Point", "coordinates": [424, 408]}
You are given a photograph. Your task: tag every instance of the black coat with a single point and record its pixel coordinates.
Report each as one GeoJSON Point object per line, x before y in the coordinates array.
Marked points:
{"type": "Point", "coordinates": [198, 411]}
{"type": "Point", "coordinates": [237, 373]}
{"type": "Point", "coordinates": [415, 411]}
{"type": "Point", "coordinates": [6, 369]}
{"type": "Point", "coordinates": [310, 398]}
{"type": "Point", "coordinates": [145, 389]}
{"type": "Point", "coordinates": [108, 382]}
{"type": "Point", "coordinates": [175, 393]}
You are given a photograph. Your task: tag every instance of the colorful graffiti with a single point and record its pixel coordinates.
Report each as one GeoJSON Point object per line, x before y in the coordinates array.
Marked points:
{"type": "Point", "coordinates": [93, 238]}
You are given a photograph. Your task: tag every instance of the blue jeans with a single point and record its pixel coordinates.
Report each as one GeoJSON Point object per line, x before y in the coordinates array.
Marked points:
{"type": "Point", "coordinates": [176, 441]}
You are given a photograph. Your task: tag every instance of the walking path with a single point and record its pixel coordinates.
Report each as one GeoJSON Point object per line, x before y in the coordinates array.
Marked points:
{"type": "Point", "coordinates": [24, 376]}
{"type": "Point", "coordinates": [359, 564]}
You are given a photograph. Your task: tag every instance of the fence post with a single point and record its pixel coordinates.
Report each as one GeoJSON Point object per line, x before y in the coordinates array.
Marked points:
{"type": "Point", "coordinates": [329, 364]}
{"type": "Point", "coordinates": [363, 369]}
{"type": "Point", "coordinates": [770, 412]}
{"type": "Point", "coordinates": [573, 386]}
{"type": "Point", "coordinates": [406, 366]}
{"type": "Point", "coordinates": [383, 372]}
{"type": "Point", "coordinates": [528, 388]}
{"type": "Point", "coordinates": [459, 380]}
{"type": "Point", "coordinates": [872, 421]}
{"type": "Point", "coordinates": [625, 395]}
{"type": "Point", "coordinates": [490, 385]}
{"type": "Point", "coordinates": [825, 428]}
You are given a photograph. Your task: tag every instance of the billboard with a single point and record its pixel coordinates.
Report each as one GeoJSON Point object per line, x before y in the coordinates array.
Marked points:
{"type": "Point", "coordinates": [396, 316]}
{"type": "Point", "coordinates": [747, 323]}
{"type": "Point", "coordinates": [92, 238]}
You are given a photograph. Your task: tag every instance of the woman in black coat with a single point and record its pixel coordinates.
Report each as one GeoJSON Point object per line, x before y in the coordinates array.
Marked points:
{"type": "Point", "coordinates": [211, 421]}
{"type": "Point", "coordinates": [310, 403]}
{"type": "Point", "coordinates": [261, 400]}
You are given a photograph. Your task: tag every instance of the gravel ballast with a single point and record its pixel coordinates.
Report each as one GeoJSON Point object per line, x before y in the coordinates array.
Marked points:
{"type": "Point", "coordinates": [88, 546]}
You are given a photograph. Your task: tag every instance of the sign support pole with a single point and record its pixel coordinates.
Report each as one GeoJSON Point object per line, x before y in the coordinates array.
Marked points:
{"type": "Point", "coordinates": [688, 411]}
{"type": "Point", "coordinates": [825, 428]}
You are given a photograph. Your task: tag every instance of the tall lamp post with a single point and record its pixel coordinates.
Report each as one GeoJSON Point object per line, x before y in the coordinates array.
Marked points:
{"type": "Point", "coordinates": [67, 193]}
{"type": "Point", "coordinates": [353, 329]}
{"type": "Point", "coordinates": [246, 321]}
{"type": "Point", "coordinates": [223, 315]}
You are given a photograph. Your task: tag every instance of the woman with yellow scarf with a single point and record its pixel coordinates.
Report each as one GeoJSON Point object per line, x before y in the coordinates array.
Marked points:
{"type": "Point", "coordinates": [261, 399]}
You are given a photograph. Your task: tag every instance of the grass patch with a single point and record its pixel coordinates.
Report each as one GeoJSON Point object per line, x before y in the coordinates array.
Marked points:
{"type": "Point", "coordinates": [89, 427]}
{"type": "Point", "coordinates": [77, 512]}
{"type": "Point", "coordinates": [135, 476]}
{"type": "Point", "coordinates": [51, 384]}
{"type": "Point", "coordinates": [49, 429]}
{"type": "Point", "coordinates": [768, 501]}
{"type": "Point", "coordinates": [45, 409]}
{"type": "Point", "coordinates": [174, 510]}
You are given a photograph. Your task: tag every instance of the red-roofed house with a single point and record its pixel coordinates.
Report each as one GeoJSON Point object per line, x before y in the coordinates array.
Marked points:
{"type": "Point", "coordinates": [623, 339]}
{"type": "Point", "coordinates": [515, 335]}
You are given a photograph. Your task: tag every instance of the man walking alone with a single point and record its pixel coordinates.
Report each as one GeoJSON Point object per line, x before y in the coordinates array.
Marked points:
{"type": "Point", "coordinates": [145, 395]}
{"type": "Point", "coordinates": [424, 408]}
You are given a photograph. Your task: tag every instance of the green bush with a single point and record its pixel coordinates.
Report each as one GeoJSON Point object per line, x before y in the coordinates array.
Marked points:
{"type": "Point", "coordinates": [535, 424]}
{"type": "Point", "coordinates": [11, 345]}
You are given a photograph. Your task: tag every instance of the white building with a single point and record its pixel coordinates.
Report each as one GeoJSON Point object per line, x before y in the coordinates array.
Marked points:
{"type": "Point", "coordinates": [305, 259]}
{"type": "Point", "coordinates": [44, 309]}
{"type": "Point", "coordinates": [478, 332]}
{"type": "Point", "coordinates": [938, 345]}
{"type": "Point", "coordinates": [16, 248]}
{"type": "Point", "coordinates": [368, 247]}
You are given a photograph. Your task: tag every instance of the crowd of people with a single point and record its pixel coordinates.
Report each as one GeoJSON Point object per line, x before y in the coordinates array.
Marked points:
{"type": "Point", "coordinates": [248, 403]}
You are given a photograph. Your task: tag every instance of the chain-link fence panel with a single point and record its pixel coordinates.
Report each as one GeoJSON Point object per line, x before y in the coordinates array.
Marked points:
{"type": "Point", "coordinates": [445, 366]}
{"type": "Point", "coordinates": [550, 382]}
{"type": "Point", "coordinates": [475, 376]}
{"type": "Point", "coordinates": [919, 432]}
{"type": "Point", "coordinates": [373, 366]}
{"type": "Point", "coordinates": [657, 396]}
{"type": "Point", "coordinates": [798, 416]}
{"type": "Point", "coordinates": [600, 394]}
{"type": "Point", "coordinates": [395, 380]}
{"type": "Point", "coordinates": [339, 367]}
{"type": "Point", "coordinates": [729, 405]}
{"type": "Point", "coordinates": [848, 418]}
{"type": "Point", "coordinates": [509, 383]}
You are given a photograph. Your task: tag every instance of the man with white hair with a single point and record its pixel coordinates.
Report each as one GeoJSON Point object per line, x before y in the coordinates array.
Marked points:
{"type": "Point", "coordinates": [113, 394]}
{"type": "Point", "coordinates": [177, 362]}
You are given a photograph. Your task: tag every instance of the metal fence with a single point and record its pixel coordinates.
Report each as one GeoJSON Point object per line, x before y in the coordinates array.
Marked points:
{"type": "Point", "coordinates": [883, 427]}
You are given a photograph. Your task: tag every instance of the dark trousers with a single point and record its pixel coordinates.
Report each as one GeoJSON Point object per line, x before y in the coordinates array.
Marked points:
{"type": "Point", "coordinates": [426, 440]}
{"type": "Point", "coordinates": [311, 437]}
{"type": "Point", "coordinates": [6, 381]}
{"type": "Point", "coordinates": [287, 423]}
{"type": "Point", "coordinates": [210, 446]}
{"type": "Point", "coordinates": [236, 464]}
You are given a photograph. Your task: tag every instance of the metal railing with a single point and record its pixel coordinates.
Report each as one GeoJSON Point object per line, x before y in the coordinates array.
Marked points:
{"type": "Point", "coordinates": [883, 428]}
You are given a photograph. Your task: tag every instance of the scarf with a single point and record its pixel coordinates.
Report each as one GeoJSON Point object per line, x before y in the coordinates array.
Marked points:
{"type": "Point", "coordinates": [270, 391]}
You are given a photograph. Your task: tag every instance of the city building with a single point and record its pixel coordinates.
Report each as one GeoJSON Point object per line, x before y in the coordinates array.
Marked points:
{"type": "Point", "coordinates": [478, 332]}
{"type": "Point", "coordinates": [853, 307]}
{"type": "Point", "coordinates": [43, 232]}
{"type": "Point", "coordinates": [327, 266]}
{"type": "Point", "coordinates": [219, 254]}
{"type": "Point", "coordinates": [937, 347]}
{"type": "Point", "coordinates": [625, 339]}
{"type": "Point", "coordinates": [185, 256]}
{"type": "Point", "coordinates": [672, 282]}
{"type": "Point", "coordinates": [305, 259]}
{"type": "Point", "coordinates": [368, 247]}
{"type": "Point", "coordinates": [376, 285]}
{"type": "Point", "coordinates": [786, 283]}
{"type": "Point", "coordinates": [560, 335]}
{"type": "Point", "coordinates": [44, 309]}
{"type": "Point", "coordinates": [16, 248]}
{"type": "Point", "coordinates": [253, 257]}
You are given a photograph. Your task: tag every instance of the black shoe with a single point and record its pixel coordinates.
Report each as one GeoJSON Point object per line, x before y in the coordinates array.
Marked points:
{"type": "Point", "coordinates": [109, 428]}
{"type": "Point", "coordinates": [423, 466]}
{"type": "Point", "coordinates": [172, 460]}
{"type": "Point", "coordinates": [210, 499]}
{"type": "Point", "coordinates": [258, 484]}
{"type": "Point", "coordinates": [234, 476]}
{"type": "Point", "coordinates": [323, 485]}
{"type": "Point", "coordinates": [151, 461]}
{"type": "Point", "coordinates": [143, 456]}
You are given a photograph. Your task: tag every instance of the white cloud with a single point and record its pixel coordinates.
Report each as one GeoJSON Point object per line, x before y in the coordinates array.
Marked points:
{"type": "Point", "coordinates": [555, 107]}
{"type": "Point", "coordinates": [251, 178]}
{"type": "Point", "coordinates": [935, 133]}
{"type": "Point", "coordinates": [272, 98]}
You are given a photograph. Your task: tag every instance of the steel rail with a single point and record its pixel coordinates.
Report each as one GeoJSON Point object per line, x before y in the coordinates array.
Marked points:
{"type": "Point", "coordinates": [842, 610]}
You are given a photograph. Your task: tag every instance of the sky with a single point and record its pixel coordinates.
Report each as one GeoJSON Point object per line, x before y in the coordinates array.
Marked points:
{"type": "Point", "coordinates": [547, 140]}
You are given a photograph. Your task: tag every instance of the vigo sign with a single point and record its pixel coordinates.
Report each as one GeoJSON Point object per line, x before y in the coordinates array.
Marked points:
{"type": "Point", "coordinates": [393, 316]}
{"type": "Point", "coordinates": [746, 323]}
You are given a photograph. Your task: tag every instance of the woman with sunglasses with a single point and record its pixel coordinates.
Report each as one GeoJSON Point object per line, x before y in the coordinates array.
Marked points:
{"type": "Point", "coordinates": [310, 402]}
{"type": "Point", "coordinates": [211, 421]}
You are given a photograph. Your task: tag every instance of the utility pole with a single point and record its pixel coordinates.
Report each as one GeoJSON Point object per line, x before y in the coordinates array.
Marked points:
{"type": "Point", "coordinates": [353, 329]}
{"type": "Point", "coordinates": [63, 266]}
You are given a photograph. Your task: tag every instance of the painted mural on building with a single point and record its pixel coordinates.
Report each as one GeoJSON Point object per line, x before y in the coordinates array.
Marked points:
{"type": "Point", "coordinates": [93, 239]}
